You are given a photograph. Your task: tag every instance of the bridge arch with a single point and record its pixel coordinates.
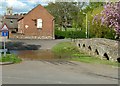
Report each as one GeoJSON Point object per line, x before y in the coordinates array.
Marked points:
{"type": "Point", "coordinates": [106, 56]}
{"type": "Point", "coordinates": [118, 59]}
{"type": "Point", "coordinates": [79, 45]}
{"type": "Point", "coordinates": [89, 47]}
{"type": "Point", "coordinates": [84, 45]}
{"type": "Point", "coordinates": [96, 52]}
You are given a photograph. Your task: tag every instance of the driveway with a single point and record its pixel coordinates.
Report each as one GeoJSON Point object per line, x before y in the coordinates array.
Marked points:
{"type": "Point", "coordinates": [58, 72]}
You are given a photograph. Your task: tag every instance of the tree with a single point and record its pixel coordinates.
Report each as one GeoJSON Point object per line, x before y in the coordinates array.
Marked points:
{"type": "Point", "coordinates": [78, 17]}
{"type": "Point", "coordinates": [96, 29]}
{"type": "Point", "coordinates": [110, 17]}
{"type": "Point", "coordinates": [92, 5]}
{"type": "Point", "coordinates": [65, 13]}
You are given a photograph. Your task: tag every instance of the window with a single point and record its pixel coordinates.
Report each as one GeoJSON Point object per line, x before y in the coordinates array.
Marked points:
{"type": "Point", "coordinates": [39, 23]}
{"type": "Point", "coordinates": [11, 21]}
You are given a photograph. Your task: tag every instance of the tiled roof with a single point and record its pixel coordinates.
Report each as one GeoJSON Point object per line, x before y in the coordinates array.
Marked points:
{"type": "Point", "coordinates": [8, 18]}
{"type": "Point", "coordinates": [12, 16]}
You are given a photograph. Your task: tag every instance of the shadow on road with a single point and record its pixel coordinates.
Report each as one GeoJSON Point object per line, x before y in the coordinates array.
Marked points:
{"type": "Point", "coordinates": [21, 46]}
{"type": "Point", "coordinates": [59, 62]}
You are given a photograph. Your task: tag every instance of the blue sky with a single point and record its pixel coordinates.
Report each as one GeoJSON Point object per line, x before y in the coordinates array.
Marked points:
{"type": "Point", "coordinates": [20, 6]}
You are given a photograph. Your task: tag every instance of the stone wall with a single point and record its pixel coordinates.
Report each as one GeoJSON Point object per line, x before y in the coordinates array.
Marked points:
{"type": "Point", "coordinates": [104, 48]}
{"type": "Point", "coordinates": [29, 37]}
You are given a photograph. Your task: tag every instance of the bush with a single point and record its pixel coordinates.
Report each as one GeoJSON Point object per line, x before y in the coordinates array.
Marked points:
{"type": "Point", "coordinates": [69, 34]}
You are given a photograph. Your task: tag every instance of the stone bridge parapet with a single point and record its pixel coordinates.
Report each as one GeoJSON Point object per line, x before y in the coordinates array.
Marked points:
{"type": "Point", "coordinates": [104, 48]}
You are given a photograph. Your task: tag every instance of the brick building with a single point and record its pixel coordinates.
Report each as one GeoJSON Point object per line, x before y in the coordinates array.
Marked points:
{"type": "Point", "coordinates": [10, 20]}
{"type": "Point", "coordinates": [36, 24]}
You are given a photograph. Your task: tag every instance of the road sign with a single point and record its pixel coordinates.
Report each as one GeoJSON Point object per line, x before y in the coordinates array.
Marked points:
{"type": "Point", "coordinates": [4, 33]}
{"type": "Point", "coordinates": [4, 28]}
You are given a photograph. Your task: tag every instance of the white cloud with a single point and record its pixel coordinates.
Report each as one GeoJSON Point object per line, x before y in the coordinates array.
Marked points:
{"type": "Point", "coordinates": [15, 3]}
{"type": "Point", "coordinates": [39, 1]}
{"type": "Point", "coordinates": [19, 5]}
{"type": "Point", "coordinates": [33, 1]}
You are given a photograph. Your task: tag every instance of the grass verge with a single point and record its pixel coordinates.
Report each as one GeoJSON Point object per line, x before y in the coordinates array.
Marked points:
{"type": "Point", "coordinates": [69, 51]}
{"type": "Point", "coordinates": [90, 59]}
{"type": "Point", "coordinates": [10, 58]}
{"type": "Point", "coordinates": [65, 47]}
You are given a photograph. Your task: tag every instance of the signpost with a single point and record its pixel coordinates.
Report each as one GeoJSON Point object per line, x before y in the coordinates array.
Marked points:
{"type": "Point", "coordinates": [4, 34]}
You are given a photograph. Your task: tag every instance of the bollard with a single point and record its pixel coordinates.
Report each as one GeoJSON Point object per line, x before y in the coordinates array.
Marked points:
{"type": "Point", "coordinates": [3, 50]}
{"type": "Point", "coordinates": [4, 53]}
{"type": "Point", "coordinates": [0, 54]}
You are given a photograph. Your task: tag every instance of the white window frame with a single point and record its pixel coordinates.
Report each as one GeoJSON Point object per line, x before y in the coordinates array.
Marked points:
{"type": "Point", "coordinates": [39, 23]}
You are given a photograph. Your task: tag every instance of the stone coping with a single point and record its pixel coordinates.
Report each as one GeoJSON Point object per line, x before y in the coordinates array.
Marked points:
{"type": "Point", "coordinates": [5, 63]}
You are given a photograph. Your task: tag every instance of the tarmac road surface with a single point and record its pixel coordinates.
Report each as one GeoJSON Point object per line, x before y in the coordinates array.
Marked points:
{"type": "Point", "coordinates": [58, 72]}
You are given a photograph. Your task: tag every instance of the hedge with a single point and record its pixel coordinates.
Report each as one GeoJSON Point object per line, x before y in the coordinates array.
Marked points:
{"type": "Point", "coordinates": [69, 34]}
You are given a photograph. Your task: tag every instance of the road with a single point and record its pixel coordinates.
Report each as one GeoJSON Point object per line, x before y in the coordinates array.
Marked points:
{"type": "Point", "coordinates": [55, 71]}
{"type": "Point", "coordinates": [34, 44]}
{"type": "Point", "coordinates": [58, 72]}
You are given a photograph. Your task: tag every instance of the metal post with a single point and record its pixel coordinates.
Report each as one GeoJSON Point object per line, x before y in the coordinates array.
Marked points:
{"type": "Point", "coordinates": [86, 32]}
{"type": "Point", "coordinates": [4, 47]}
{"type": "Point", "coordinates": [86, 27]}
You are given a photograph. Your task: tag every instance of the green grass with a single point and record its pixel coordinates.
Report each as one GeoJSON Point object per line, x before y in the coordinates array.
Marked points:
{"type": "Point", "coordinates": [91, 59]}
{"type": "Point", "coordinates": [65, 47]}
{"type": "Point", "coordinates": [69, 51]}
{"type": "Point", "coordinates": [10, 58]}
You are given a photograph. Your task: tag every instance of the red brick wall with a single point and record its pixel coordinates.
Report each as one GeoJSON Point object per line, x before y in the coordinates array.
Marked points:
{"type": "Point", "coordinates": [47, 31]}
{"type": "Point", "coordinates": [21, 26]}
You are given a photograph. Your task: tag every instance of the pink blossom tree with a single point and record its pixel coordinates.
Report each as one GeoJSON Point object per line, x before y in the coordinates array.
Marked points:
{"type": "Point", "coordinates": [110, 17]}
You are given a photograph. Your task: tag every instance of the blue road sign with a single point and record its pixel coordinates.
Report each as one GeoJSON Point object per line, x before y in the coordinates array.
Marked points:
{"type": "Point", "coordinates": [4, 33]}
